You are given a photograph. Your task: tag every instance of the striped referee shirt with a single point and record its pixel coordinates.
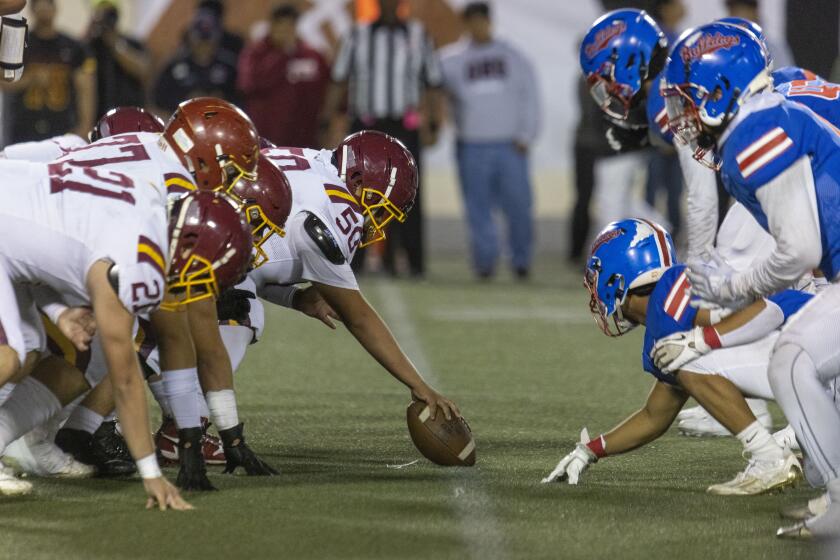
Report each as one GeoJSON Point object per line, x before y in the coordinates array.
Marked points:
{"type": "Point", "coordinates": [387, 68]}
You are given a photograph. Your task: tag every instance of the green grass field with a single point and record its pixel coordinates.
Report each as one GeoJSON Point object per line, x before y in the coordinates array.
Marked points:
{"type": "Point", "coordinates": [527, 367]}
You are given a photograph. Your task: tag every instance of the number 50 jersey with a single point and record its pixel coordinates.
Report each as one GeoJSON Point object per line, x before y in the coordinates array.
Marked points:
{"type": "Point", "coordinates": [317, 249]}
{"type": "Point", "coordinates": [58, 220]}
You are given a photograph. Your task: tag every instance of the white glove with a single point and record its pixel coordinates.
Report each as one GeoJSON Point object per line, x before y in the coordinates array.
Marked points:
{"type": "Point", "coordinates": [572, 465]}
{"type": "Point", "coordinates": [673, 352]}
{"type": "Point", "coordinates": [711, 281]}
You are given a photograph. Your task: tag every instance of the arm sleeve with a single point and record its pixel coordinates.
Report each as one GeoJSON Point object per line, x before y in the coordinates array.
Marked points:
{"type": "Point", "coordinates": [768, 320]}
{"type": "Point", "coordinates": [529, 102]}
{"type": "Point", "coordinates": [702, 202]}
{"type": "Point", "coordinates": [278, 294]}
{"type": "Point", "coordinates": [344, 61]}
{"type": "Point", "coordinates": [788, 201]}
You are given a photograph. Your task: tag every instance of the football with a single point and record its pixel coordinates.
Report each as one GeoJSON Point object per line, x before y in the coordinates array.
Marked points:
{"type": "Point", "coordinates": [444, 442]}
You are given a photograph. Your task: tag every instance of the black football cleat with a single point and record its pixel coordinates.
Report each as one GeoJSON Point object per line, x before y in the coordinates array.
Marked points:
{"type": "Point", "coordinates": [238, 454]}
{"type": "Point", "coordinates": [193, 473]}
{"type": "Point", "coordinates": [111, 442]}
{"type": "Point", "coordinates": [81, 445]}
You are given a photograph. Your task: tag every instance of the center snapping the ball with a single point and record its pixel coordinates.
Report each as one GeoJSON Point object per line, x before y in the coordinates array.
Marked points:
{"type": "Point", "coordinates": [445, 442]}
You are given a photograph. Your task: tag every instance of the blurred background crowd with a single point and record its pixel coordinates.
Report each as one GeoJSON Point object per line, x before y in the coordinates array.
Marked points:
{"type": "Point", "coordinates": [487, 95]}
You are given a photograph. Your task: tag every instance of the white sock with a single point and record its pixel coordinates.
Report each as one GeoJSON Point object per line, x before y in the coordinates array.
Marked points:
{"type": "Point", "coordinates": [6, 390]}
{"type": "Point", "coordinates": [160, 396]}
{"type": "Point", "coordinates": [84, 419]}
{"type": "Point", "coordinates": [222, 405]}
{"type": "Point", "coordinates": [758, 406]}
{"type": "Point", "coordinates": [759, 443]}
{"type": "Point", "coordinates": [32, 405]}
{"type": "Point", "coordinates": [182, 393]}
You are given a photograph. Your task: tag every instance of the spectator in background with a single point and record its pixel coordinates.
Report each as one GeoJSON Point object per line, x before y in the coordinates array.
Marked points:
{"type": "Point", "coordinates": [202, 68]}
{"type": "Point", "coordinates": [215, 9]}
{"type": "Point", "coordinates": [122, 65]}
{"type": "Point", "coordinates": [748, 9]}
{"type": "Point", "coordinates": [394, 78]}
{"type": "Point", "coordinates": [664, 172]}
{"type": "Point", "coordinates": [283, 83]}
{"type": "Point", "coordinates": [57, 93]}
{"type": "Point", "coordinates": [496, 106]}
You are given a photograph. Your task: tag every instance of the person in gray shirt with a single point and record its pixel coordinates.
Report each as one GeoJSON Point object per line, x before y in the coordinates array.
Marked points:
{"type": "Point", "coordinates": [493, 94]}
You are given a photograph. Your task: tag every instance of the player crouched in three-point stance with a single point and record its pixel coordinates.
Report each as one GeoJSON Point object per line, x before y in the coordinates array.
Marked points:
{"type": "Point", "coordinates": [634, 279]}
{"type": "Point", "coordinates": [781, 161]}
{"type": "Point", "coordinates": [342, 199]}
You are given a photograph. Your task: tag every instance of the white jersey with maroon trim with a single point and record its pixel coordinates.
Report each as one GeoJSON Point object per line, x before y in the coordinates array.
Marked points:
{"type": "Point", "coordinates": [44, 150]}
{"type": "Point", "coordinates": [64, 218]}
{"type": "Point", "coordinates": [140, 154]}
{"type": "Point", "coordinates": [316, 189]}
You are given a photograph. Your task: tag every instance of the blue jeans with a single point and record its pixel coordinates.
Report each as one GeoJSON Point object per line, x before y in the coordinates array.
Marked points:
{"type": "Point", "coordinates": [495, 176]}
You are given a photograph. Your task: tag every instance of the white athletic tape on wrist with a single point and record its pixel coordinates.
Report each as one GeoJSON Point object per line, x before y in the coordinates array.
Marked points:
{"type": "Point", "coordinates": [148, 467]}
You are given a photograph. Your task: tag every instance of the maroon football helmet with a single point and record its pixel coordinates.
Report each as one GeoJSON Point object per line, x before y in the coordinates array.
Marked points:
{"type": "Point", "coordinates": [209, 247]}
{"type": "Point", "coordinates": [382, 174]}
{"type": "Point", "coordinates": [266, 204]}
{"type": "Point", "coordinates": [215, 141]}
{"type": "Point", "coordinates": [120, 120]}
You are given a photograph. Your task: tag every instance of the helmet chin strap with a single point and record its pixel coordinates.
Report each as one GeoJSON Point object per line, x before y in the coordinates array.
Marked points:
{"type": "Point", "coordinates": [391, 182]}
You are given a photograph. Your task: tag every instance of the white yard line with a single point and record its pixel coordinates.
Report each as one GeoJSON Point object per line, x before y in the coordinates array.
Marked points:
{"type": "Point", "coordinates": [480, 530]}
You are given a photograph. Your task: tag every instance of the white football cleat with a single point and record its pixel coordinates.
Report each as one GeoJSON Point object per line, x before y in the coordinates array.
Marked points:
{"type": "Point", "coordinates": [10, 485]}
{"type": "Point", "coordinates": [761, 477]}
{"type": "Point", "coordinates": [35, 454]}
{"type": "Point", "coordinates": [696, 422]}
{"type": "Point", "coordinates": [814, 507]}
{"type": "Point", "coordinates": [786, 437]}
{"type": "Point", "coordinates": [692, 412]}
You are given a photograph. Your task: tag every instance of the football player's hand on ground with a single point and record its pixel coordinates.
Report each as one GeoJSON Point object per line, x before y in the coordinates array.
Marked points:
{"type": "Point", "coordinates": [78, 325]}
{"type": "Point", "coordinates": [673, 352]}
{"type": "Point", "coordinates": [310, 302]}
{"type": "Point", "coordinates": [160, 492]}
{"type": "Point", "coordinates": [436, 402]}
{"type": "Point", "coordinates": [234, 305]}
{"type": "Point", "coordinates": [572, 465]}
{"type": "Point", "coordinates": [711, 283]}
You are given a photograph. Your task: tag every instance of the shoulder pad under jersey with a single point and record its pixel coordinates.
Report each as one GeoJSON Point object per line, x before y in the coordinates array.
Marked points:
{"type": "Point", "coordinates": [323, 238]}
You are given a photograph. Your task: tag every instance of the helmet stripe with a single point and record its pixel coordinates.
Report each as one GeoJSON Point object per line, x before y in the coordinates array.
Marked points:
{"type": "Point", "coordinates": [665, 256]}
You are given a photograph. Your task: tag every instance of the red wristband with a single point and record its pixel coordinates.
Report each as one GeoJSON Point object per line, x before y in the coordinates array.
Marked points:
{"type": "Point", "coordinates": [597, 446]}
{"type": "Point", "coordinates": [710, 335]}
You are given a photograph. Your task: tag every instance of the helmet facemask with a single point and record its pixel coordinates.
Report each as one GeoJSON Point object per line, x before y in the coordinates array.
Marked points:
{"type": "Point", "coordinates": [690, 123]}
{"type": "Point", "coordinates": [612, 97]}
{"type": "Point", "coordinates": [378, 211]}
{"type": "Point", "coordinates": [195, 282]}
{"type": "Point", "coordinates": [608, 315]}
{"type": "Point", "coordinates": [261, 229]}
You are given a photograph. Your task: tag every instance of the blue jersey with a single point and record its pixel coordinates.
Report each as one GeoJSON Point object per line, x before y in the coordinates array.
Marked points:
{"type": "Point", "coordinates": [769, 134]}
{"type": "Point", "coordinates": [819, 95]}
{"type": "Point", "coordinates": [669, 312]}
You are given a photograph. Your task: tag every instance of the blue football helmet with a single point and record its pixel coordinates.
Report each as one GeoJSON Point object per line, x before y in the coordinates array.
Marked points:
{"type": "Point", "coordinates": [617, 56]}
{"type": "Point", "coordinates": [712, 70]}
{"type": "Point", "coordinates": [625, 256]}
{"type": "Point", "coordinates": [755, 29]}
